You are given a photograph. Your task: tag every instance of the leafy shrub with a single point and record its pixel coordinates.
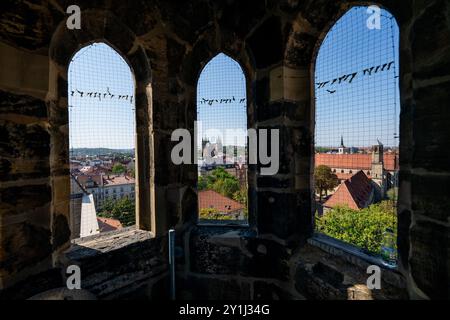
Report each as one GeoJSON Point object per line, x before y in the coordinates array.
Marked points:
{"type": "Point", "coordinates": [122, 210]}
{"type": "Point", "coordinates": [363, 228]}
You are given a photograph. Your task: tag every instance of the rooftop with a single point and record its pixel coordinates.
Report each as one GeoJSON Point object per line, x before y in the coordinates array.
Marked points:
{"type": "Point", "coordinates": [355, 161]}
{"type": "Point", "coordinates": [108, 224]}
{"type": "Point", "coordinates": [353, 192]}
{"type": "Point", "coordinates": [210, 199]}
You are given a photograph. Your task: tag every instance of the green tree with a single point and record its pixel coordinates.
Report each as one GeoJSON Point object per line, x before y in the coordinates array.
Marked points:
{"type": "Point", "coordinates": [202, 183]}
{"type": "Point", "coordinates": [241, 196]}
{"type": "Point", "coordinates": [123, 210]}
{"type": "Point", "coordinates": [363, 228]}
{"type": "Point", "coordinates": [220, 181]}
{"type": "Point", "coordinates": [118, 168]}
{"type": "Point", "coordinates": [325, 180]}
{"type": "Point", "coordinates": [226, 187]}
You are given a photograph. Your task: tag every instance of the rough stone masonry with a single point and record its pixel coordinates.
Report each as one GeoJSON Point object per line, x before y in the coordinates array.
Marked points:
{"type": "Point", "coordinates": [166, 44]}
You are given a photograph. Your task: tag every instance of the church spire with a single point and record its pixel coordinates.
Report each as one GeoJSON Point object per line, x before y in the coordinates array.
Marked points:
{"type": "Point", "coordinates": [342, 141]}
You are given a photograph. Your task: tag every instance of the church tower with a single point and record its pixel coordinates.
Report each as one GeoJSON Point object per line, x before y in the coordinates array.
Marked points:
{"type": "Point", "coordinates": [377, 172]}
{"type": "Point", "coordinates": [342, 149]}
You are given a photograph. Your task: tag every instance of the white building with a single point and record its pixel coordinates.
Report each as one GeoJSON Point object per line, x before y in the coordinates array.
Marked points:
{"type": "Point", "coordinates": [104, 187]}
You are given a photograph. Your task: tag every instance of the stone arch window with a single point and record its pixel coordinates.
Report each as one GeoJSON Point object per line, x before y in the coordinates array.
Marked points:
{"type": "Point", "coordinates": [106, 28]}
{"type": "Point", "coordinates": [357, 118]}
{"type": "Point", "coordinates": [102, 130]}
{"type": "Point", "coordinates": [222, 141]}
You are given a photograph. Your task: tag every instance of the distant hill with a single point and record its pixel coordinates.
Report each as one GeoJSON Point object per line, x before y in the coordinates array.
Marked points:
{"type": "Point", "coordinates": [99, 151]}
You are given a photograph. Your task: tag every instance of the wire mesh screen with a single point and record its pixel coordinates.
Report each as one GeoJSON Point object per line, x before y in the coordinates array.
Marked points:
{"type": "Point", "coordinates": [101, 141]}
{"type": "Point", "coordinates": [222, 141]}
{"type": "Point", "coordinates": [357, 123]}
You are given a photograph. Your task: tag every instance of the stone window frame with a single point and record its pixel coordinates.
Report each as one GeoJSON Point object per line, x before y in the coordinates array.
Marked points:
{"type": "Point", "coordinates": [246, 63]}
{"type": "Point", "coordinates": [98, 26]}
{"type": "Point", "coordinates": [326, 242]}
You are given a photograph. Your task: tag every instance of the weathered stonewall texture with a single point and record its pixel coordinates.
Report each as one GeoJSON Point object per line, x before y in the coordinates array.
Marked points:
{"type": "Point", "coordinates": [167, 43]}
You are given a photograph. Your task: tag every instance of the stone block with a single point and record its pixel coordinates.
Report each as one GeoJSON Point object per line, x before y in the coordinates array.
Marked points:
{"type": "Point", "coordinates": [429, 260]}
{"type": "Point", "coordinates": [432, 202]}
{"type": "Point", "coordinates": [431, 41]}
{"type": "Point", "coordinates": [22, 105]}
{"type": "Point", "coordinates": [278, 214]}
{"type": "Point", "coordinates": [18, 200]}
{"type": "Point", "coordinates": [266, 43]}
{"type": "Point", "coordinates": [299, 55]}
{"type": "Point", "coordinates": [23, 245]}
{"type": "Point", "coordinates": [207, 256]}
{"type": "Point", "coordinates": [269, 260]}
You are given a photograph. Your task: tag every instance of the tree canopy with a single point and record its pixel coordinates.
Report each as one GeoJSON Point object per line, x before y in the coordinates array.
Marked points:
{"type": "Point", "coordinates": [363, 228]}
{"type": "Point", "coordinates": [325, 180]}
{"type": "Point", "coordinates": [122, 210]}
{"type": "Point", "coordinates": [220, 181]}
{"type": "Point", "coordinates": [118, 168]}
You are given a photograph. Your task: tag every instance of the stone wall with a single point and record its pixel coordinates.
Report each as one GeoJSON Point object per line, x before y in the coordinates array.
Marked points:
{"type": "Point", "coordinates": [125, 264]}
{"type": "Point", "coordinates": [167, 43]}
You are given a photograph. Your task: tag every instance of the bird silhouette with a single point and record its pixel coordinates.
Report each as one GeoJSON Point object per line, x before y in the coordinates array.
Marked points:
{"type": "Point", "coordinates": [331, 91]}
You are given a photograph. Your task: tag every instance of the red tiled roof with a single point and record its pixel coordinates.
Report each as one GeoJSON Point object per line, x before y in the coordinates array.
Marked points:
{"type": "Point", "coordinates": [107, 224]}
{"type": "Point", "coordinates": [353, 192]}
{"type": "Point", "coordinates": [210, 199]}
{"type": "Point", "coordinates": [83, 179]}
{"type": "Point", "coordinates": [355, 161]}
{"type": "Point", "coordinates": [117, 180]}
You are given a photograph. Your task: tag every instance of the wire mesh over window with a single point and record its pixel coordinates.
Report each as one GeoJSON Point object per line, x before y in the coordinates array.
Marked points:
{"type": "Point", "coordinates": [101, 141]}
{"type": "Point", "coordinates": [357, 129]}
{"type": "Point", "coordinates": [222, 141]}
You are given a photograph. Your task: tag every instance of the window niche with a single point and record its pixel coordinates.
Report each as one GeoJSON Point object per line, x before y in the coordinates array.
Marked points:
{"type": "Point", "coordinates": [222, 142]}
{"type": "Point", "coordinates": [356, 133]}
{"type": "Point", "coordinates": [102, 136]}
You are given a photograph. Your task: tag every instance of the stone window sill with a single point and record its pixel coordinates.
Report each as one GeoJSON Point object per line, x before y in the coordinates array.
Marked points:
{"type": "Point", "coordinates": [347, 251]}
{"type": "Point", "coordinates": [107, 242]}
{"type": "Point", "coordinates": [223, 223]}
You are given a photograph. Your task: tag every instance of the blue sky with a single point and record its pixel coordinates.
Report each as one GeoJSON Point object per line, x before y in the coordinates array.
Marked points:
{"type": "Point", "coordinates": [368, 108]}
{"type": "Point", "coordinates": [108, 122]}
{"type": "Point", "coordinates": [362, 111]}
{"type": "Point", "coordinates": [222, 78]}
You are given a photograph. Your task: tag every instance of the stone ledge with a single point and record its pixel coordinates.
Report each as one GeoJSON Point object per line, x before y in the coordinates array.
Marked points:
{"type": "Point", "coordinates": [107, 242]}
{"type": "Point", "coordinates": [320, 275]}
{"type": "Point", "coordinates": [356, 259]}
{"type": "Point", "coordinates": [347, 251]}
